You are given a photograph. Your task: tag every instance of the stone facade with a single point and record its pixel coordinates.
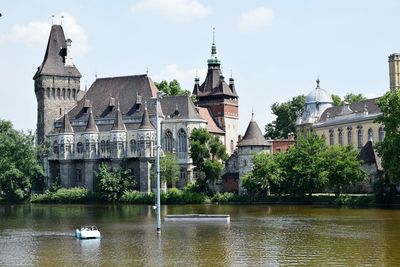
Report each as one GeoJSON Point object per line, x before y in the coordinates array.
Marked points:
{"type": "Point", "coordinates": [114, 121]}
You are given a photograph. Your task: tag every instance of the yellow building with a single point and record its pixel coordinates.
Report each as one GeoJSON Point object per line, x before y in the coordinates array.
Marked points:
{"type": "Point", "coordinates": [349, 123]}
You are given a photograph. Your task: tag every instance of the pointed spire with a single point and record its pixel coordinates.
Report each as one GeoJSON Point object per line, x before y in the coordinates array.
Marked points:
{"type": "Point", "coordinates": [145, 124]}
{"type": "Point", "coordinates": [213, 60]}
{"type": "Point", "coordinates": [91, 124]}
{"type": "Point", "coordinates": [317, 81]}
{"type": "Point", "coordinates": [67, 128]}
{"type": "Point", "coordinates": [118, 122]}
{"type": "Point", "coordinates": [252, 113]}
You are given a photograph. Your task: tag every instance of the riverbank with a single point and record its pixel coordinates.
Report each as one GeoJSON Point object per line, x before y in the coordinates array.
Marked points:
{"type": "Point", "coordinates": [177, 196]}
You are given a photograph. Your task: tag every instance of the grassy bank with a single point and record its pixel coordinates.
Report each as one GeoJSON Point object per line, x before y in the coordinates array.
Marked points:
{"type": "Point", "coordinates": [177, 196]}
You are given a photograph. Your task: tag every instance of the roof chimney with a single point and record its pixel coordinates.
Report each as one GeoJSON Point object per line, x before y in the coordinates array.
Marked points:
{"type": "Point", "coordinates": [68, 57]}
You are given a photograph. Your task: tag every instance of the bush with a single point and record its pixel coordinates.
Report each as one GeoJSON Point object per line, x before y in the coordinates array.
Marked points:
{"type": "Point", "coordinates": [135, 197]}
{"type": "Point", "coordinates": [63, 195]}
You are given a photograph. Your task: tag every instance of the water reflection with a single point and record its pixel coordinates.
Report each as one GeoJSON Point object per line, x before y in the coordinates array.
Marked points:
{"type": "Point", "coordinates": [43, 235]}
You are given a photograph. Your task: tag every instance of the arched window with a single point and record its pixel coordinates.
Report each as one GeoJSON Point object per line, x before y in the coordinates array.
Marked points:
{"type": "Point", "coordinates": [340, 137]}
{"type": "Point", "coordinates": [108, 146]}
{"type": "Point", "coordinates": [359, 138]}
{"type": "Point", "coordinates": [58, 93]}
{"type": "Point", "coordinates": [69, 93]}
{"type": "Point", "coordinates": [133, 146]}
{"type": "Point", "coordinates": [182, 141]}
{"type": "Point", "coordinates": [55, 147]}
{"type": "Point", "coordinates": [103, 146]}
{"type": "Point", "coordinates": [120, 146]}
{"type": "Point", "coordinates": [68, 148]}
{"type": "Point", "coordinates": [93, 147]}
{"type": "Point", "coordinates": [331, 138]}
{"type": "Point", "coordinates": [63, 93]}
{"type": "Point", "coordinates": [73, 94]}
{"type": "Point", "coordinates": [168, 141]}
{"type": "Point", "coordinates": [349, 136]}
{"type": "Point", "coordinates": [232, 145]}
{"type": "Point", "coordinates": [87, 146]}
{"type": "Point", "coordinates": [381, 134]}
{"type": "Point", "coordinates": [370, 135]}
{"type": "Point", "coordinates": [79, 148]}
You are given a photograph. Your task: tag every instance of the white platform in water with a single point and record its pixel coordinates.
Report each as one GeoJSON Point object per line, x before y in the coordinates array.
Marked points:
{"type": "Point", "coordinates": [198, 217]}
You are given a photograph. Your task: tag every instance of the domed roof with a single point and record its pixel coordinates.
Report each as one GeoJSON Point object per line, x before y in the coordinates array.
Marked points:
{"type": "Point", "coordinates": [318, 95]}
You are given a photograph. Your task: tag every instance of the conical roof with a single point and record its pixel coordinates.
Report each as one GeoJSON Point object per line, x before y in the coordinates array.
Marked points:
{"type": "Point", "coordinates": [66, 128]}
{"type": "Point", "coordinates": [253, 136]}
{"type": "Point", "coordinates": [54, 58]}
{"type": "Point", "coordinates": [91, 125]}
{"type": "Point", "coordinates": [118, 123]}
{"type": "Point", "coordinates": [146, 124]}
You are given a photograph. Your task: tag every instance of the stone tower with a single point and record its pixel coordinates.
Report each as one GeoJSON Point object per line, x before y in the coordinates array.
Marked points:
{"type": "Point", "coordinates": [220, 98]}
{"type": "Point", "coordinates": [57, 83]}
{"type": "Point", "coordinates": [394, 71]}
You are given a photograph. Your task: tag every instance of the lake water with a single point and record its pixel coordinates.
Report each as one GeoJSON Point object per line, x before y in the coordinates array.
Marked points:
{"type": "Point", "coordinates": [259, 235]}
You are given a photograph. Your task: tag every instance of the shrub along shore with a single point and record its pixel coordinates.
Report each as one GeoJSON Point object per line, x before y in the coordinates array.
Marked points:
{"type": "Point", "coordinates": [185, 196]}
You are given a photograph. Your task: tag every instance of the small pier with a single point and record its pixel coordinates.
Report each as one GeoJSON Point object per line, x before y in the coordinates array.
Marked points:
{"type": "Point", "coordinates": [198, 217]}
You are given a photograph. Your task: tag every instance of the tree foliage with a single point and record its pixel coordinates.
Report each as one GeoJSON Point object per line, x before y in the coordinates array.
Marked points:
{"type": "Point", "coordinates": [169, 168]}
{"type": "Point", "coordinates": [208, 155]}
{"type": "Point", "coordinates": [308, 168]}
{"type": "Point", "coordinates": [266, 172]}
{"type": "Point", "coordinates": [388, 149]}
{"type": "Point", "coordinates": [286, 114]}
{"type": "Point", "coordinates": [337, 101]}
{"type": "Point", "coordinates": [19, 165]}
{"type": "Point", "coordinates": [340, 167]}
{"type": "Point", "coordinates": [113, 183]}
{"type": "Point", "coordinates": [348, 98]}
{"type": "Point", "coordinates": [174, 88]}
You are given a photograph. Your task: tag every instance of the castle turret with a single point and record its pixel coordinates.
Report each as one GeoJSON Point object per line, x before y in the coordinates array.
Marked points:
{"type": "Point", "coordinates": [220, 99]}
{"type": "Point", "coordinates": [57, 83]}
{"type": "Point", "coordinates": [91, 136]}
{"type": "Point", "coordinates": [118, 135]}
{"type": "Point", "coordinates": [66, 139]}
{"type": "Point", "coordinates": [394, 71]}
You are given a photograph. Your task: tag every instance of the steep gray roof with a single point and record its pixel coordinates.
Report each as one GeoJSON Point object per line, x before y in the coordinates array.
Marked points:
{"type": "Point", "coordinates": [146, 124]}
{"type": "Point", "coordinates": [66, 128]}
{"type": "Point", "coordinates": [54, 58]}
{"type": "Point", "coordinates": [369, 155]}
{"type": "Point", "coordinates": [179, 107]}
{"type": "Point", "coordinates": [129, 91]}
{"type": "Point", "coordinates": [253, 136]}
{"type": "Point", "coordinates": [91, 124]}
{"type": "Point", "coordinates": [214, 84]}
{"type": "Point", "coordinates": [118, 123]}
{"type": "Point", "coordinates": [354, 108]}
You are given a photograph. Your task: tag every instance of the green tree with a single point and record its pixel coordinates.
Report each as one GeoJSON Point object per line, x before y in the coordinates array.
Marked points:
{"type": "Point", "coordinates": [19, 165]}
{"type": "Point", "coordinates": [169, 169]}
{"type": "Point", "coordinates": [337, 101]}
{"type": "Point", "coordinates": [302, 163]}
{"type": "Point", "coordinates": [388, 149]}
{"type": "Point", "coordinates": [340, 166]}
{"type": "Point", "coordinates": [208, 155]}
{"type": "Point", "coordinates": [351, 98]}
{"type": "Point", "coordinates": [113, 183]}
{"type": "Point", "coordinates": [174, 88]}
{"type": "Point", "coordinates": [266, 173]}
{"type": "Point", "coordinates": [286, 114]}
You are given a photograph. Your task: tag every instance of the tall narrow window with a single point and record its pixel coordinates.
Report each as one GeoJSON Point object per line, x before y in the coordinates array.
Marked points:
{"type": "Point", "coordinates": [182, 141]}
{"type": "Point", "coordinates": [79, 148]}
{"type": "Point", "coordinates": [55, 147]}
{"type": "Point", "coordinates": [232, 145]}
{"type": "Point", "coordinates": [359, 138]}
{"type": "Point", "coordinates": [108, 146]}
{"type": "Point", "coordinates": [133, 146]}
{"type": "Point", "coordinates": [331, 138]}
{"type": "Point", "coordinates": [340, 136]}
{"type": "Point", "coordinates": [370, 135]}
{"type": "Point", "coordinates": [349, 135]}
{"type": "Point", "coordinates": [381, 134]}
{"type": "Point", "coordinates": [103, 146]}
{"type": "Point", "coordinates": [168, 141]}
{"type": "Point", "coordinates": [78, 175]}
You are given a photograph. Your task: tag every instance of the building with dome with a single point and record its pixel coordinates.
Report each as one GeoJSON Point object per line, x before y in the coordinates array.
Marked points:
{"type": "Point", "coordinates": [114, 120]}
{"type": "Point", "coordinates": [351, 124]}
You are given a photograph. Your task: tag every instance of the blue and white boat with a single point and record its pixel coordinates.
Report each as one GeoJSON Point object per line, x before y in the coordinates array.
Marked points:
{"type": "Point", "coordinates": [87, 232]}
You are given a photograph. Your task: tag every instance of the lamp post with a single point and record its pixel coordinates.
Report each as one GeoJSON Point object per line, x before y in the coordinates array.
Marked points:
{"type": "Point", "coordinates": [160, 94]}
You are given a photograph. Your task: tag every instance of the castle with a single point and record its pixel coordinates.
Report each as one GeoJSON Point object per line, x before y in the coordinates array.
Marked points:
{"type": "Point", "coordinates": [114, 120]}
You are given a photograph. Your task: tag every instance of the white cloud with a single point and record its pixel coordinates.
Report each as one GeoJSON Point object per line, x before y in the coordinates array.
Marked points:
{"type": "Point", "coordinates": [37, 33]}
{"type": "Point", "coordinates": [184, 76]}
{"type": "Point", "coordinates": [255, 19]}
{"type": "Point", "coordinates": [175, 9]}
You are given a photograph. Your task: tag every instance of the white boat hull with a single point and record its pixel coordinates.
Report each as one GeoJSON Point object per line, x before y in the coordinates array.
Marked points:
{"type": "Point", "coordinates": [87, 234]}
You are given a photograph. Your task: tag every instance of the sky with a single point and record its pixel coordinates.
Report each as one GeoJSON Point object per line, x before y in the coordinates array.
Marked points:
{"type": "Point", "coordinates": [274, 49]}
